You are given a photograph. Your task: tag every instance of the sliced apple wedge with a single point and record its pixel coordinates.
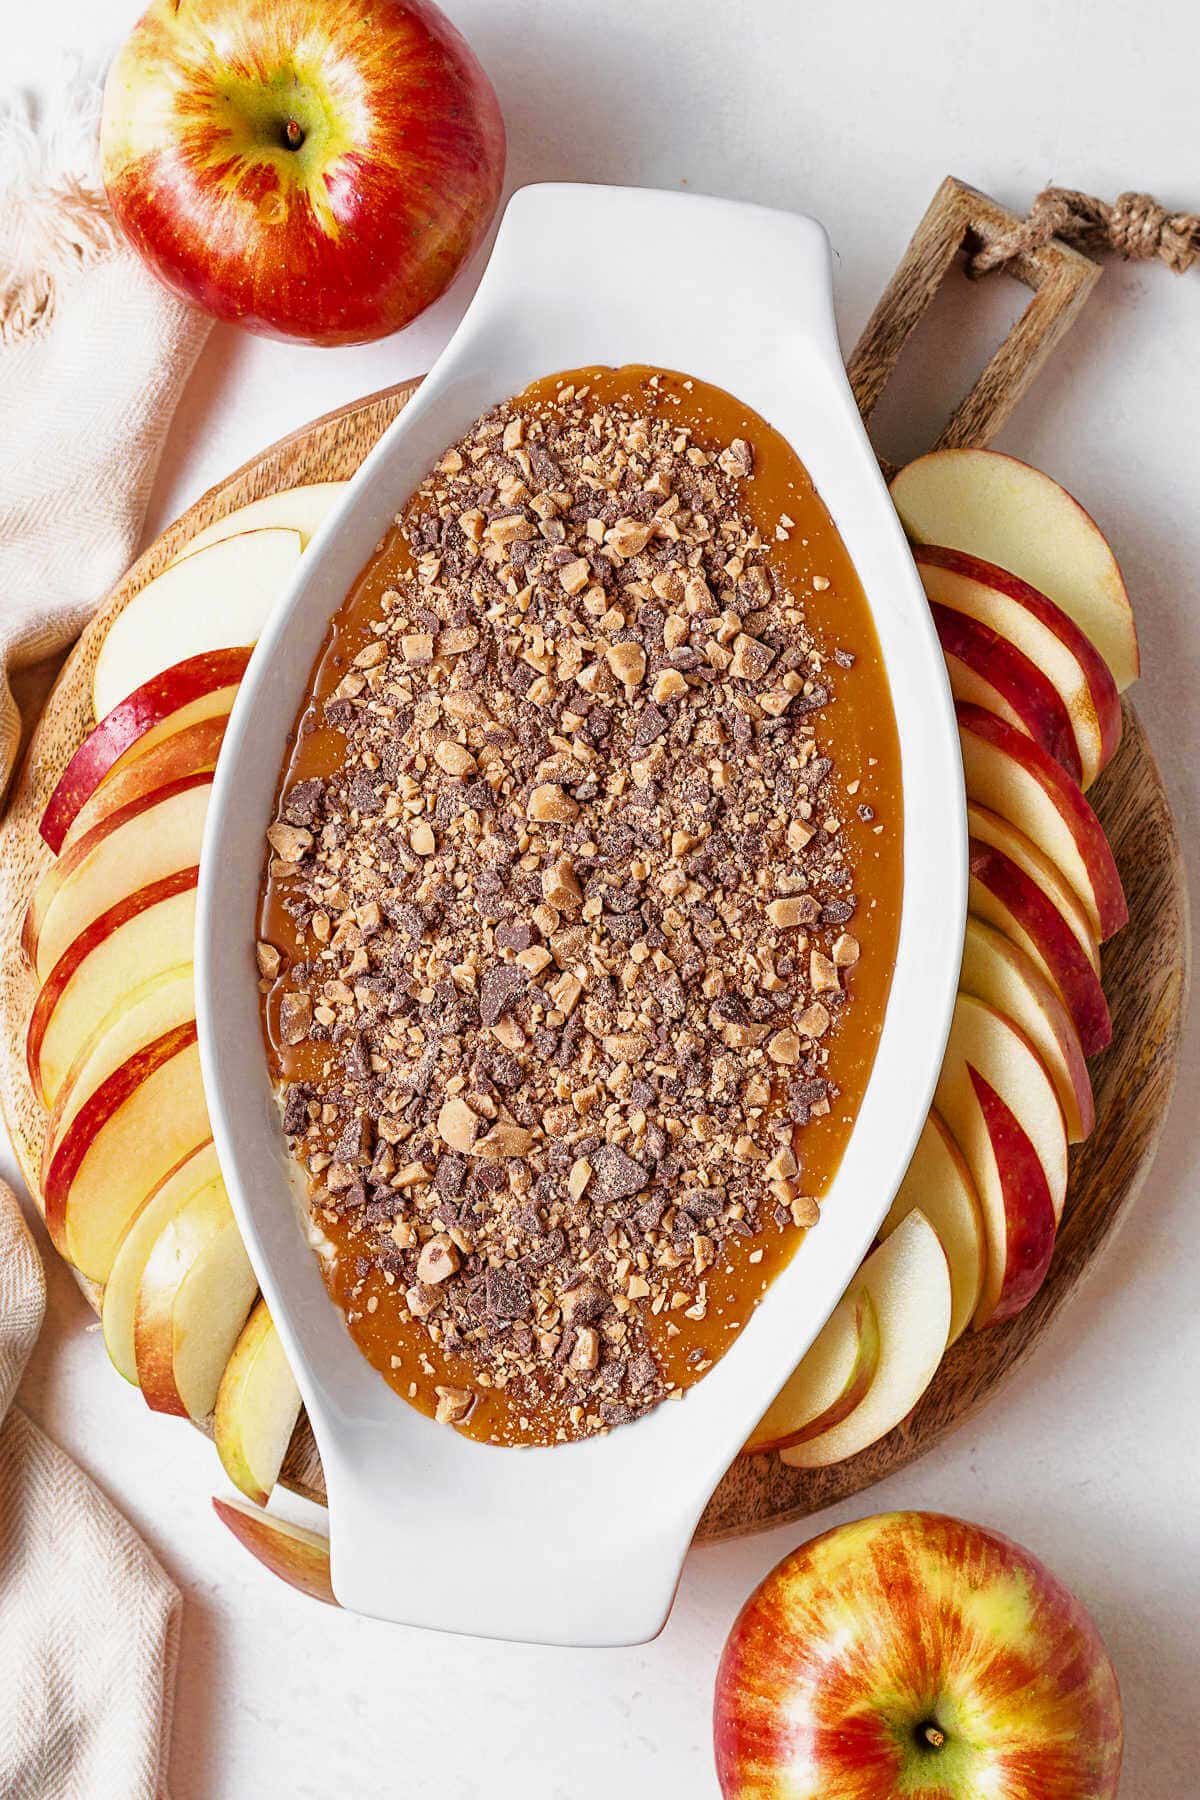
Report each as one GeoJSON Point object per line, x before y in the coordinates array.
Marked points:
{"type": "Point", "coordinates": [295, 509]}
{"type": "Point", "coordinates": [938, 1183]}
{"type": "Point", "coordinates": [828, 1384]}
{"type": "Point", "coordinates": [1014, 1193]}
{"type": "Point", "coordinates": [138, 1016]}
{"type": "Point", "coordinates": [154, 835]}
{"type": "Point", "coordinates": [908, 1280]}
{"type": "Point", "coordinates": [986, 1041]}
{"type": "Point", "coordinates": [1003, 895]}
{"type": "Point", "coordinates": [177, 757]}
{"type": "Point", "coordinates": [196, 1290]}
{"type": "Point", "coordinates": [258, 1404]}
{"type": "Point", "coordinates": [1011, 775]}
{"type": "Point", "coordinates": [200, 688]}
{"type": "Point", "coordinates": [293, 1552]}
{"type": "Point", "coordinates": [989, 828]}
{"type": "Point", "coordinates": [146, 933]}
{"type": "Point", "coordinates": [1043, 634]}
{"type": "Point", "coordinates": [996, 971]}
{"type": "Point", "coordinates": [1010, 514]}
{"type": "Point", "coordinates": [139, 1125]}
{"type": "Point", "coordinates": [987, 670]}
{"type": "Point", "coordinates": [199, 1170]}
{"type": "Point", "coordinates": [217, 599]}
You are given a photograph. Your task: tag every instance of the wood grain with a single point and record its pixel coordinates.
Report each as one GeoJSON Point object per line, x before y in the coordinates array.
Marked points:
{"type": "Point", "coordinates": [960, 221]}
{"type": "Point", "coordinates": [1145, 970]}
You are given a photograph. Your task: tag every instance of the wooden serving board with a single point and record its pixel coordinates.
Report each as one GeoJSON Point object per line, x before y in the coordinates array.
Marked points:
{"type": "Point", "coordinates": [1145, 967]}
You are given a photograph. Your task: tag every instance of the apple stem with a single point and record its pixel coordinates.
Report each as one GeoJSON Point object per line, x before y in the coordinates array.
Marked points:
{"type": "Point", "coordinates": [933, 1737]}
{"type": "Point", "coordinates": [293, 134]}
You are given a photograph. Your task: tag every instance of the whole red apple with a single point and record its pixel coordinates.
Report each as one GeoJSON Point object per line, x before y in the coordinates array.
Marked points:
{"type": "Point", "coordinates": [315, 169]}
{"type": "Point", "coordinates": [912, 1654]}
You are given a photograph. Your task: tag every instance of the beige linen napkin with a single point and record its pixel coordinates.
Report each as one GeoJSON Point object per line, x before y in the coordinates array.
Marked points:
{"type": "Point", "coordinates": [94, 353]}
{"type": "Point", "coordinates": [93, 357]}
{"type": "Point", "coordinates": [89, 1623]}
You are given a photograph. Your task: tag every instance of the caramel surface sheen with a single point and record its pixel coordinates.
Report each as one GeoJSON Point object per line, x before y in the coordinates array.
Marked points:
{"type": "Point", "coordinates": [857, 731]}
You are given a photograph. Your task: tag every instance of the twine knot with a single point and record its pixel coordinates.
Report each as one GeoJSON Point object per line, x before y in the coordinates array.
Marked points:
{"type": "Point", "coordinates": [1134, 227]}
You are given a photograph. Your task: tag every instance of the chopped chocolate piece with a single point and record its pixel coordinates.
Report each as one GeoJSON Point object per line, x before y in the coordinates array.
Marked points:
{"type": "Point", "coordinates": [450, 1175]}
{"type": "Point", "coordinates": [302, 803]}
{"type": "Point", "coordinates": [350, 1198]}
{"type": "Point", "coordinates": [615, 1174]}
{"type": "Point", "coordinates": [514, 936]}
{"type": "Point", "coordinates": [354, 1142]}
{"type": "Point", "coordinates": [507, 1294]}
{"type": "Point", "coordinates": [650, 727]}
{"type": "Point", "coordinates": [498, 990]}
{"type": "Point", "coordinates": [295, 1109]}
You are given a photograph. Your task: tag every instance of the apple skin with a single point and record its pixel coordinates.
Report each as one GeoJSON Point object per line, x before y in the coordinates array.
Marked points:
{"type": "Point", "coordinates": [1021, 906]}
{"type": "Point", "coordinates": [91, 866]}
{"type": "Point", "coordinates": [853, 1323]}
{"type": "Point", "coordinates": [1001, 765]}
{"type": "Point", "coordinates": [944, 571]}
{"type": "Point", "coordinates": [193, 750]}
{"type": "Point", "coordinates": [993, 507]}
{"type": "Point", "coordinates": [1023, 1248]}
{"type": "Point", "coordinates": [1019, 682]}
{"type": "Point", "coordinates": [867, 1645]}
{"type": "Point", "coordinates": [136, 721]}
{"type": "Point", "coordinates": [87, 1214]}
{"type": "Point", "coordinates": [302, 169]}
{"type": "Point", "coordinates": [298, 1556]}
{"type": "Point", "coordinates": [45, 1078]}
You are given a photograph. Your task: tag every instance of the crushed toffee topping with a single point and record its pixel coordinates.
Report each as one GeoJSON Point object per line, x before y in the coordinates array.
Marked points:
{"type": "Point", "coordinates": [573, 910]}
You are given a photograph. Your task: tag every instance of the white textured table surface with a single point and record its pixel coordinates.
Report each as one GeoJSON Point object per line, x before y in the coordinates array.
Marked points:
{"type": "Point", "coordinates": [852, 112]}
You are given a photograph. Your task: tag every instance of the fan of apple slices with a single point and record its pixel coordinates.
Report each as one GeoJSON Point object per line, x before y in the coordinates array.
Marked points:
{"type": "Point", "coordinates": [132, 1191]}
{"type": "Point", "coordinates": [1038, 635]}
{"type": "Point", "coordinates": [1039, 640]}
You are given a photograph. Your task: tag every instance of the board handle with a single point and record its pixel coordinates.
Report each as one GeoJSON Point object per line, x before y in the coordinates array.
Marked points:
{"type": "Point", "coordinates": [962, 220]}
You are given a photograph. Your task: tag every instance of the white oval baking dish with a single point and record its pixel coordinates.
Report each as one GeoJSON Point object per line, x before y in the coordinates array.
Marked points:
{"type": "Point", "coordinates": [582, 1543]}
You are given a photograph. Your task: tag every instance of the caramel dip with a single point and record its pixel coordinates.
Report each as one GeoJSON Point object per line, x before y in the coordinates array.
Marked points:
{"type": "Point", "coordinates": [581, 904]}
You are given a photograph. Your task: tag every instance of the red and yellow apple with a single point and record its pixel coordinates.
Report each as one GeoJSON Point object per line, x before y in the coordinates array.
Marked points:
{"type": "Point", "coordinates": [1011, 775]}
{"type": "Point", "coordinates": [293, 1552]}
{"type": "Point", "coordinates": [938, 1184]}
{"type": "Point", "coordinates": [303, 169]}
{"type": "Point", "coordinates": [991, 672]}
{"type": "Point", "coordinates": [1006, 513]}
{"type": "Point", "coordinates": [1005, 895]}
{"type": "Point", "coordinates": [148, 932]}
{"type": "Point", "coordinates": [147, 1118]}
{"type": "Point", "coordinates": [195, 1292]}
{"type": "Point", "coordinates": [258, 1404]}
{"type": "Point", "coordinates": [201, 688]}
{"type": "Point", "coordinates": [907, 1280]}
{"type": "Point", "coordinates": [914, 1654]}
{"type": "Point", "coordinates": [1043, 634]}
{"type": "Point", "coordinates": [995, 970]}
